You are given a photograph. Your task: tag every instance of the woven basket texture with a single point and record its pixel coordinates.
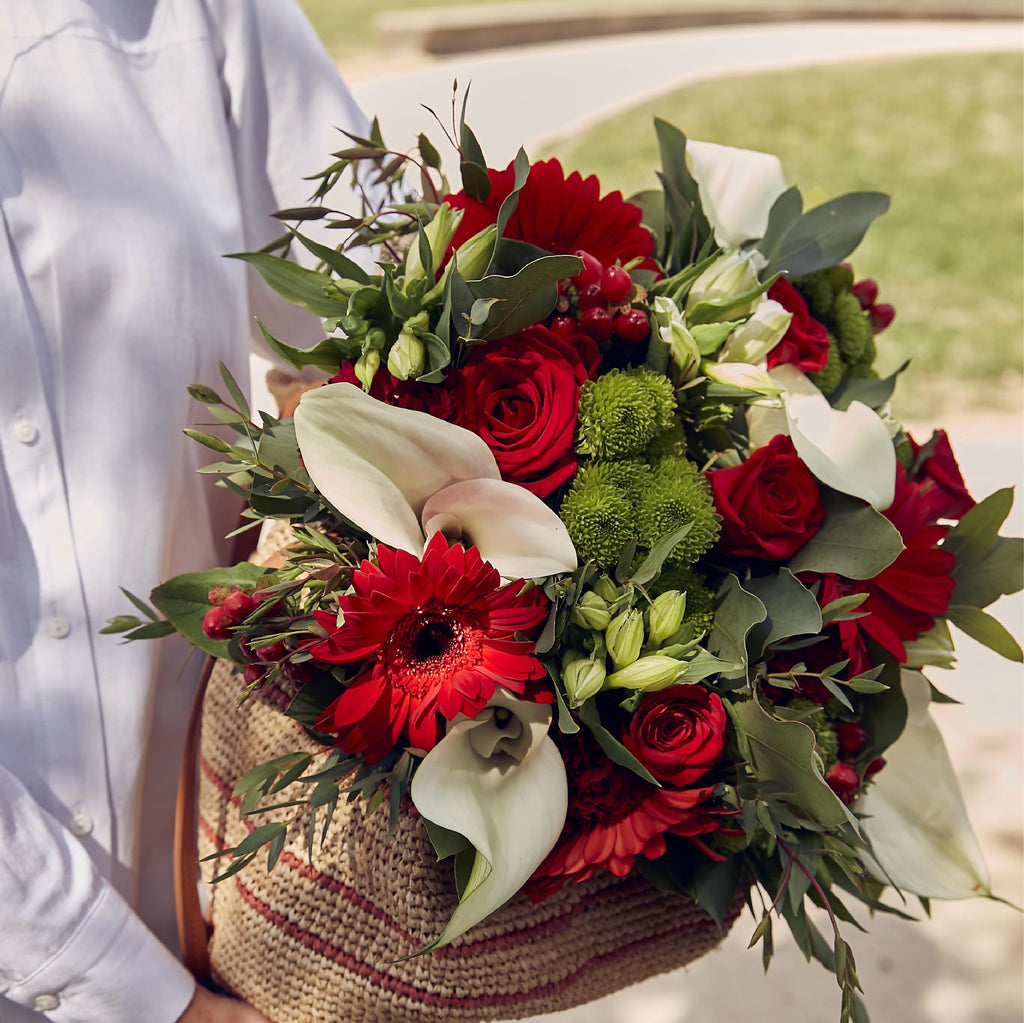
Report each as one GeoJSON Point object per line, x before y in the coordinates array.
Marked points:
{"type": "Point", "coordinates": [318, 943]}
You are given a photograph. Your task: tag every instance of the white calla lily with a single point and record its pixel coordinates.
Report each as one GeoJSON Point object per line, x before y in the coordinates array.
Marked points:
{"type": "Point", "coordinates": [737, 189]}
{"type": "Point", "coordinates": [848, 450]}
{"type": "Point", "coordinates": [403, 475]}
{"type": "Point", "coordinates": [915, 819]}
{"type": "Point", "coordinates": [499, 781]}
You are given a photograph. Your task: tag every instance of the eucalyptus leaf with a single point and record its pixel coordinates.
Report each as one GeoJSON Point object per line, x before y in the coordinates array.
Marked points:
{"type": "Point", "coordinates": [613, 749]}
{"type": "Point", "coordinates": [524, 299]}
{"type": "Point", "coordinates": [854, 540]}
{"type": "Point", "coordinates": [792, 608]}
{"type": "Point", "coordinates": [738, 612]}
{"type": "Point", "coordinates": [827, 234]}
{"type": "Point", "coordinates": [986, 630]}
{"type": "Point", "coordinates": [295, 283]}
{"type": "Point", "coordinates": [785, 212]}
{"type": "Point", "coordinates": [873, 393]}
{"type": "Point", "coordinates": [344, 267]}
{"type": "Point", "coordinates": [783, 753]}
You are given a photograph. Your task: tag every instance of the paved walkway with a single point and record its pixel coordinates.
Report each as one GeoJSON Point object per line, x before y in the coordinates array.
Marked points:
{"type": "Point", "coordinates": [964, 965]}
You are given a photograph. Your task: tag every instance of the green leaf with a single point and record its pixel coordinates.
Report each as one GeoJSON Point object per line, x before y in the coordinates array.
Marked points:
{"type": "Point", "coordinates": [445, 842]}
{"type": "Point", "coordinates": [678, 180]}
{"type": "Point", "coordinates": [207, 395]}
{"type": "Point", "coordinates": [521, 168]}
{"type": "Point", "coordinates": [783, 754]}
{"type": "Point", "coordinates": [706, 312]}
{"type": "Point", "coordinates": [854, 540]}
{"type": "Point", "coordinates": [715, 886]}
{"type": "Point", "coordinates": [613, 749]}
{"type": "Point", "coordinates": [524, 299]}
{"type": "Point", "coordinates": [986, 630]}
{"type": "Point", "coordinates": [344, 267]}
{"type": "Point", "coordinates": [120, 623]}
{"type": "Point", "coordinates": [151, 630]}
{"type": "Point", "coordinates": [738, 612]}
{"type": "Point", "coordinates": [873, 393]}
{"type": "Point", "coordinates": [827, 234]}
{"type": "Point", "coordinates": [431, 157]}
{"type": "Point", "coordinates": [703, 665]}
{"type": "Point", "coordinates": [234, 390]}
{"type": "Point", "coordinates": [785, 212]}
{"type": "Point", "coordinates": [182, 601]}
{"type": "Point", "coordinates": [209, 441]}
{"type": "Point", "coordinates": [709, 337]}
{"type": "Point", "coordinates": [987, 565]}
{"type": "Point", "coordinates": [651, 565]}
{"type": "Point", "coordinates": [295, 283]}
{"type": "Point", "coordinates": [792, 608]}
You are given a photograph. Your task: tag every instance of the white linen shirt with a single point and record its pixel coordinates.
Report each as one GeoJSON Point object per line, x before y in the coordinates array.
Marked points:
{"type": "Point", "coordinates": [140, 141]}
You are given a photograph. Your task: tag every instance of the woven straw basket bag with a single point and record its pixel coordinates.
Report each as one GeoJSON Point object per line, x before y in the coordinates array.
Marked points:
{"type": "Point", "coordinates": [318, 943]}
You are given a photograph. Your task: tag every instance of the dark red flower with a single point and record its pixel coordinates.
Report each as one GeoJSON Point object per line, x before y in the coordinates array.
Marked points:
{"type": "Point", "coordinates": [615, 816]}
{"type": "Point", "coordinates": [520, 394]}
{"type": "Point", "coordinates": [805, 343]}
{"type": "Point", "coordinates": [433, 636]}
{"type": "Point", "coordinates": [905, 598]}
{"type": "Point", "coordinates": [677, 733]}
{"type": "Point", "coordinates": [938, 479]}
{"type": "Point", "coordinates": [560, 214]}
{"type": "Point", "coordinates": [443, 400]}
{"type": "Point", "coordinates": [770, 504]}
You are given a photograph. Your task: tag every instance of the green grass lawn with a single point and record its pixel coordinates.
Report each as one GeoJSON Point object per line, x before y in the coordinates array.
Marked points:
{"type": "Point", "coordinates": [942, 135]}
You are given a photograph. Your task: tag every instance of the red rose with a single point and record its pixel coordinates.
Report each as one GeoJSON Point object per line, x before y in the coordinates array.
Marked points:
{"type": "Point", "coordinates": [678, 733]}
{"type": "Point", "coordinates": [938, 478]}
{"type": "Point", "coordinates": [805, 343]}
{"type": "Point", "coordinates": [770, 505]}
{"type": "Point", "coordinates": [520, 395]}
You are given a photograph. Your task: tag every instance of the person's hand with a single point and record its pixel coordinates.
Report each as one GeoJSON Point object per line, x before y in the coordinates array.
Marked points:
{"type": "Point", "coordinates": [207, 1007]}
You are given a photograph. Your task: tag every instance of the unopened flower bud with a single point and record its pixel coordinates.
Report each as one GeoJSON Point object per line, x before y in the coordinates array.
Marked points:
{"type": "Point", "coordinates": [473, 257]}
{"type": "Point", "coordinates": [742, 374]}
{"type": "Point", "coordinates": [407, 358]}
{"type": "Point", "coordinates": [752, 341]}
{"type": "Point", "coordinates": [730, 275]}
{"type": "Point", "coordinates": [366, 368]}
{"type": "Point", "coordinates": [656, 671]}
{"type": "Point", "coordinates": [605, 588]}
{"type": "Point", "coordinates": [591, 612]}
{"type": "Point", "coordinates": [439, 233]}
{"type": "Point", "coordinates": [673, 331]}
{"type": "Point", "coordinates": [665, 616]}
{"type": "Point", "coordinates": [583, 678]}
{"type": "Point", "coordinates": [624, 637]}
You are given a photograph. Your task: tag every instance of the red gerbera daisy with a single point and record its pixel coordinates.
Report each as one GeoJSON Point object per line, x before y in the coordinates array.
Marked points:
{"type": "Point", "coordinates": [615, 816]}
{"type": "Point", "coordinates": [435, 635]}
{"type": "Point", "coordinates": [560, 214]}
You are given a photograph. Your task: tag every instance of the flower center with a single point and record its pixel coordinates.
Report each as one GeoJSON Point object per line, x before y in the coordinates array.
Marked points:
{"type": "Point", "coordinates": [426, 647]}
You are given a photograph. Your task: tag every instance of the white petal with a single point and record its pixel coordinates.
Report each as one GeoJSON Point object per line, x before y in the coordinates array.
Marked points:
{"type": "Point", "coordinates": [916, 820]}
{"type": "Point", "coordinates": [511, 810]}
{"type": "Point", "coordinates": [378, 464]}
{"type": "Point", "coordinates": [737, 189]}
{"type": "Point", "coordinates": [513, 529]}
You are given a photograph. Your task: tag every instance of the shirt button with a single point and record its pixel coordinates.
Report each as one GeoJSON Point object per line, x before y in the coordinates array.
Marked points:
{"type": "Point", "coordinates": [25, 430]}
{"type": "Point", "coordinates": [81, 824]}
{"type": "Point", "coordinates": [58, 627]}
{"type": "Point", "coordinates": [45, 1003]}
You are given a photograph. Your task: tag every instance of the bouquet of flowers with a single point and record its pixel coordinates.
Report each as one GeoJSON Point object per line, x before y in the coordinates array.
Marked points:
{"type": "Point", "coordinates": [604, 547]}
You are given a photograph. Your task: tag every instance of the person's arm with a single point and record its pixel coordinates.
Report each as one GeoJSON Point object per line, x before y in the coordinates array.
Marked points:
{"type": "Point", "coordinates": [69, 940]}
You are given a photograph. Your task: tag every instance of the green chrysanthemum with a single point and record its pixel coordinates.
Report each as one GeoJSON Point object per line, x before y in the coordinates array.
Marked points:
{"type": "Point", "coordinates": [852, 328]}
{"type": "Point", "coordinates": [828, 378]}
{"type": "Point", "coordinates": [678, 495]}
{"type": "Point", "coordinates": [599, 518]}
{"type": "Point", "coordinates": [622, 411]}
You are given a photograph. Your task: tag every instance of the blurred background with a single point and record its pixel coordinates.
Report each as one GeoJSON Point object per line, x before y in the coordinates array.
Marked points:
{"type": "Point", "coordinates": [921, 99]}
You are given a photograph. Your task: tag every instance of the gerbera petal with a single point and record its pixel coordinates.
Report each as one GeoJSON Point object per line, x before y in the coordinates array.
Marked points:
{"type": "Point", "coordinates": [378, 464]}
{"type": "Point", "coordinates": [915, 819]}
{"type": "Point", "coordinates": [513, 529]}
{"type": "Point", "coordinates": [510, 808]}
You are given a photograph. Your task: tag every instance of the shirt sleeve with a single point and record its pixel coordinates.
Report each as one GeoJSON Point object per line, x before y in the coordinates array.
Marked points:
{"type": "Point", "coordinates": [70, 946]}
{"type": "Point", "coordinates": [287, 107]}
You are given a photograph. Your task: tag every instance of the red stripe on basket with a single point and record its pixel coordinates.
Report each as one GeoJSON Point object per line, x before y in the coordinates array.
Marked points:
{"type": "Point", "coordinates": [347, 961]}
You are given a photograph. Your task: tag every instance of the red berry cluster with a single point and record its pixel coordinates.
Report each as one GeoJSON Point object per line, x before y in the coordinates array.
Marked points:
{"type": "Point", "coordinates": [843, 778]}
{"type": "Point", "coordinates": [229, 609]}
{"type": "Point", "coordinates": [880, 313]}
{"type": "Point", "coordinates": [602, 297]}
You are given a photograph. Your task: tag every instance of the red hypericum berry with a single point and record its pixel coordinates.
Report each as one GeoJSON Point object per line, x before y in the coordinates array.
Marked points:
{"type": "Point", "coordinates": [214, 626]}
{"type": "Point", "coordinates": [591, 272]}
{"type": "Point", "coordinates": [272, 651]}
{"type": "Point", "coordinates": [633, 326]}
{"type": "Point", "coordinates": [881, 316]}
{"type": "Point", "coordinates": [253, 674]}
{"type": "Point", "coordinates": [217, 595]}
{"type": "Point", "coordinates": [616, 284]}
{"type": "Point", "coordinates": [301, 673]}
{"type": "Point", "coordinates": [564, 326]}
{"type": "Point", "coordinates": [597, 324]}
{"type": "Point", "coordinates": [844, 781]}
{"type": "Point", "coordinates": [852, 738]}
{"type": "Point", "coordinates": [874, 767]}
{"type": "Point", "coordinates": [591, 297]}
{"type": "Point", "coordinates": [866, 292]}
{"type": "Point", "coordinates": [238, 606]}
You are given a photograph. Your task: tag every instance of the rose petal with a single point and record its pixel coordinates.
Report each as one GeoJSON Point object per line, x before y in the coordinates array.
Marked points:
{"type": "Point", "coordinates": [513, 529]}
{"type": "Point", "coordinates": [378, 464]}
{"type": "Point", "coordinates": [737, 189]}
{"type": "Point", "coordinates": [511, 810]}
{"type": "Point", "coordinates": [916, 821]}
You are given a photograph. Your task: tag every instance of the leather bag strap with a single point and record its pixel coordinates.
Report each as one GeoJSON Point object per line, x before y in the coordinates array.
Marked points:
{"type": "Point", "coordinates": [193, 930]}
